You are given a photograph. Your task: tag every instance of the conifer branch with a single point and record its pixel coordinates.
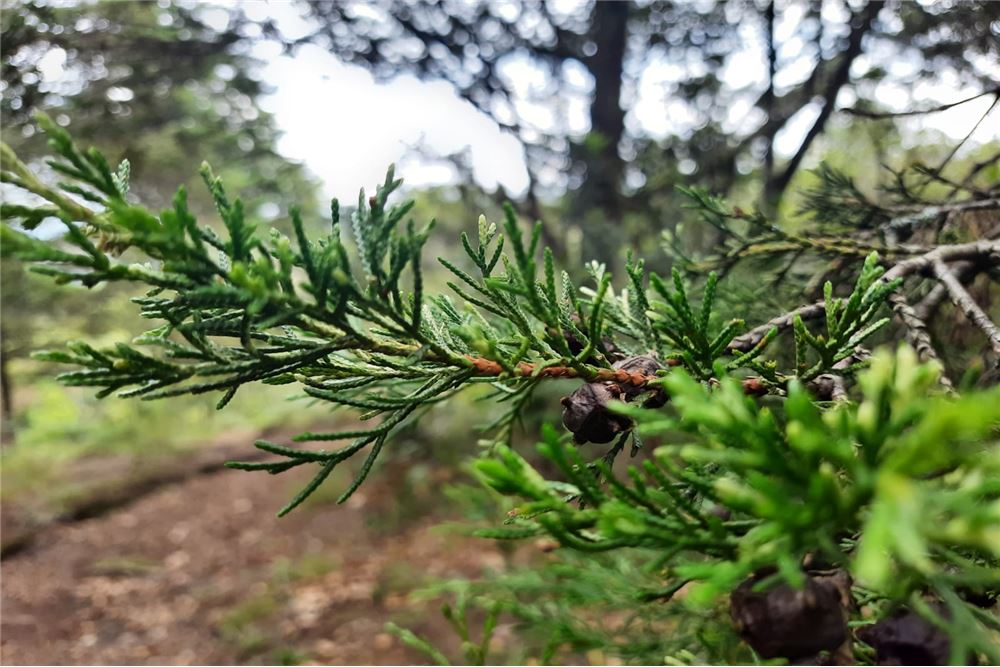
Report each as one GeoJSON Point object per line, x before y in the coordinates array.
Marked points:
{"type": "Point", "coordinates": [880, 115]}
{"type": "Point", "coordinates": [916, 333]}
{"type": "Point", "coordinates": [356, 328]}
{"type": "Point", "coordinates": [961, 298]}
{"type": "Point", "coordinates": [891, 485]}
{"type": "Point", "coordinates": [980, 251]}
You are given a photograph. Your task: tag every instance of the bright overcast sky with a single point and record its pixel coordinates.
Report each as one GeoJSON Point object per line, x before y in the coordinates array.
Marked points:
{"type": "Point", "coordinates": [347, 128]}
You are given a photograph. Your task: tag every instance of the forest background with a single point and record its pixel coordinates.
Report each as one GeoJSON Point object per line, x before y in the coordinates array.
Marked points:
{"type": "Point", "coordinates": [587, 116]}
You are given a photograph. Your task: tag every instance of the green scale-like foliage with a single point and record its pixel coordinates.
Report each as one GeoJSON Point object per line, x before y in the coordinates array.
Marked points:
{"type": "Point", "coordinates": [355, 328]}
{"type": "Point", "coordinates": [899, 488]}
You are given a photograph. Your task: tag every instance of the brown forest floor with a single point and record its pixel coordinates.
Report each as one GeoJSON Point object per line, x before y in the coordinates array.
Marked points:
{"type": "Point", "coordinates": [199, 570]}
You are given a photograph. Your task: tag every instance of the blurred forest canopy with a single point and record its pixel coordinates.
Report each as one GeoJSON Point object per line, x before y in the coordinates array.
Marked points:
{"type": "Point", "coordinates": [733, 76]}
{"type": "Point", "coordinates": [736, 78]}
{"type": "Point", "coordinates": [169, 84]}
{"type": "Point", "coordinates": [754, 94]}
{"type": "Point", "coordinates": [151, 83]}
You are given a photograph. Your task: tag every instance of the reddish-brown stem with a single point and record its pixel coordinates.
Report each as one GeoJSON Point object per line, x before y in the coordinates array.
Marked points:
{"type": "Point", "coordinates": [487, 367]}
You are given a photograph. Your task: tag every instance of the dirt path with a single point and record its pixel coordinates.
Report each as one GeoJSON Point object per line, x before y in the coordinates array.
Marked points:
{"type": "Point", "coordinates": [201, 571]}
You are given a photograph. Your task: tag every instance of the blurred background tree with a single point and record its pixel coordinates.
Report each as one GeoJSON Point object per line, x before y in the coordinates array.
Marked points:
{"type": "Point", "coordinates": [151, 82]}
{"type": "Point", "coordinates": [613, 104]}
{"type": "Point", "coordinates": [155, 83]}
{"type": "Point", "coordinates": [565, 80]}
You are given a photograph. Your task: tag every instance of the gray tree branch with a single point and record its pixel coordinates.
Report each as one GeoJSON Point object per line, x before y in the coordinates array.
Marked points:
{"type": "Point", "coordinates": [917, 334]}
{"type": "Point", "coordinates": [985, 251]}
{"type": "Point", "coordinates": [964, 301]}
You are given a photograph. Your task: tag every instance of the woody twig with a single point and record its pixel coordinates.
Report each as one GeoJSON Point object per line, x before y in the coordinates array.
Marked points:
{"type": "Point", "coordinates": [964, 301]}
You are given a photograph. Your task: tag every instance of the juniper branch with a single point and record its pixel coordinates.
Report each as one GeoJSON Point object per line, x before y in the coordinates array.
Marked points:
{"type": "Point", "coordinates": [961, 298]}
{"type": "Point", "coordinates": [357, 329]}
{"type": "Point", "coordinates": [987, 252]}
{"type": "Point", "coordinates": [916, 333]}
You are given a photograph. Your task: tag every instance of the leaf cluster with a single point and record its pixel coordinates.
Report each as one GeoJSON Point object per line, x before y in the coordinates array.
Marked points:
{"type": "Point", "coordinates": [346, 316]}
{"type": "Point", "coordinates": [898, 489]}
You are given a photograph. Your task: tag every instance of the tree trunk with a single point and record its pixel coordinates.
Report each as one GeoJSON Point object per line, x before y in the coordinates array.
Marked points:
{"type": "Point", "coordinates": [606, 113]}
{"type": "Point", "coordinates": [861, 23]}
{"type": "Point", "coordinates": [600, 193]}
{"type": "Point", "coordinates": [768, 99]}
{"type": "Point", "coordinates": [6, 395]}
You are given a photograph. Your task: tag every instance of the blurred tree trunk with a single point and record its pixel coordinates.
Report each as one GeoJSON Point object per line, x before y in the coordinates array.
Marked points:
{"type": "Point", "coordinates": [6, 395]}
{"type": "Point", "coordinates": [604, 171]}
{"type": "Point", "coordinates": [767, 100]}
{"type": "Point", "coordinates": [601, 189]}
{"type": "Point", "coordinates": [861, 23]}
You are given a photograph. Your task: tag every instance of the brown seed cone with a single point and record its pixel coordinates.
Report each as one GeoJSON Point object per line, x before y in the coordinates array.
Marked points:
{"type": "Point", "coordinates": [907, 639]}
{"type": "Point", "coordinates": [783, 622]}
{"type": "Point", "coordinates": [586, 415]}
{"type": "Point", "coordinates": [585, 411]}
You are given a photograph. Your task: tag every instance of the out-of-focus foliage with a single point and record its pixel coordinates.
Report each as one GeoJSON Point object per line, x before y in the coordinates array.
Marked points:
{"type": "Point", "coordinates": [153, 82]}
{"type": "Point", "coordinates": [572, 608]}
{"type": "Point", "coordinates": [896, 490]}
{"type": "Point", "coordinates": [565, 80]}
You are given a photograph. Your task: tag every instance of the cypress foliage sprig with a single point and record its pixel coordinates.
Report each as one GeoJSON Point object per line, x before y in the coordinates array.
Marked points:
{"type": "Point", "coordinates": [895, 491]}
{"type": "Point", "coordinates": [891, 489]}
{"type": "Point", "coordinates": [354, 327]}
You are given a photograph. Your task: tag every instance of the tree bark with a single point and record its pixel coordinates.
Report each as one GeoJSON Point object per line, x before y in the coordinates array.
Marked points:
{"type": "Point", "coordinates": [767, 101]}
{"type": "Point", "coordinates": [606, 113]}
{"type": "Point", "coordinates": [6, 394]}
{"type": "Point", "coordinates": [601, 188]}
{"type": "Point", "coordinates": [860, 25]}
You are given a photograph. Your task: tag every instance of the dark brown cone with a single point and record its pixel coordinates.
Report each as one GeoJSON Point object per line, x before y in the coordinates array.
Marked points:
{"type": "Point", "coordinates": [906, 639]}
{"type": "Point", "coordinates": [783, 622]}
{"type": "Point", "coordinates": [642, 365]}
{"type": "Point", "coordinates": [585, 411]}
